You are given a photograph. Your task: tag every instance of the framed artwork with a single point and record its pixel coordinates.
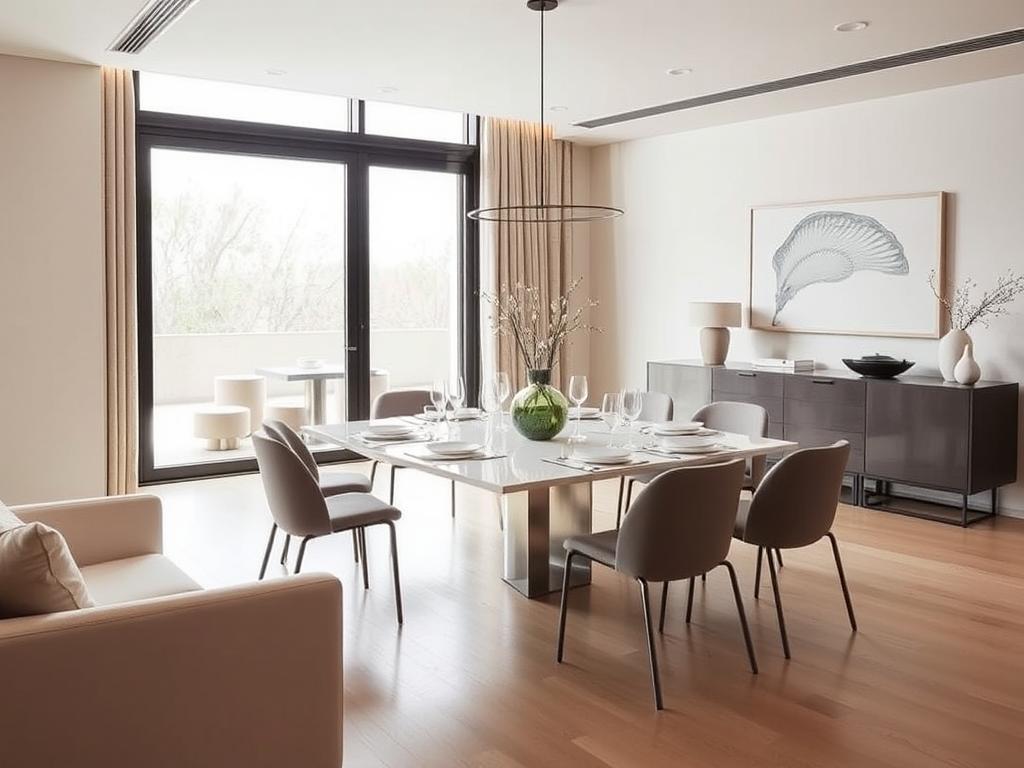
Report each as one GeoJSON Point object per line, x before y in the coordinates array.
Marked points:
{"type": "Point", "coordinates": [855, 266]}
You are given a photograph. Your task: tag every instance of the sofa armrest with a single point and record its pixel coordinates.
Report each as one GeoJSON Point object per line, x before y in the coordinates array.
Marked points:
{"type": "Point", "coordinates": [248, 675]}
{"type": "Point", "coordinates": [105, 528]}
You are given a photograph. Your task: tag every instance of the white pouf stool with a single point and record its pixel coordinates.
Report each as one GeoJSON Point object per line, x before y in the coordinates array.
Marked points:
{"type": "Point", "coordinates": [246, 389]}
{"type": "Point", "coordinates": [292, 415]}
{"type": "Point", "coordinates": [221, 426]}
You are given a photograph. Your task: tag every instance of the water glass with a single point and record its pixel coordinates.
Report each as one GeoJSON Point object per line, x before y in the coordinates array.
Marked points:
{"type": "Point", "coordinates": [632, 406]}
{"type": "Point", "coordinates": [611, 413]}
{"type": "Point", "coordinates": [502, 390]}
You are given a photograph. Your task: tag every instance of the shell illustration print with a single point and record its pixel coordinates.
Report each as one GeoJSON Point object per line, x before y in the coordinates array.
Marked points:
{"type": "Point", "coordinates": [828, 247]}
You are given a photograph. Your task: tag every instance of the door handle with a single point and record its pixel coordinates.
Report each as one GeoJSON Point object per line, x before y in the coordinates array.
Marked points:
{"type": "Point", "coordinates": [823, 381]}
{"type": "Point", "coordinates": [747, 375]}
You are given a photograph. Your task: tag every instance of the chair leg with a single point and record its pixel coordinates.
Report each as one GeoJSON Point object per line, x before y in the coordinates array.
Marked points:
{"type": "Point", "coordinates": [564, 607]}
{"type": "Point", "coordinates": [778, 602]}
{"type": "Point", "coordinates": [842, 581]}
{"type": "Point", "coordinates": [651, 652]}
{"type": "Point", "coordinates": [689, 599]}
{"type": "Point", "coordinates": [704, 577]}
{"type": "Point", "coordinates": [757, 573]}
{"type": "Point", "coordinates": [453, 499]}
{"type": "Point", "coordinates": [266, 555]}
{"type": "Point", "coordinates": [618, 506]}
{"type": "Point", "coordinates": [373, 472]}
{"type": "Point", "coordinates": [778, 554]}
{"type": "Point", "coordinates": [366, 566]}
{"type": "Point", "coordinates": [664, 602]}
{"type": "Point", "coordinates": [629, 495]}
{"type": "Point", "coordinates": [302, 554]}
{"type": "Point", "coordinates": [391, 493]}
{"type": "Point", "coordinates": [284, 549]}
{"type": "Point", "coordinates": [355, 544]}
{"type": "Point", "coordinates": [394, 568]}
{"type": "Point", "coordinates": [743, 615]}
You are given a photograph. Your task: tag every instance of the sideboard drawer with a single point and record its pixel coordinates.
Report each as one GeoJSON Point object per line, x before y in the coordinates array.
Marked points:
{"type": "Point", "coordinates": [847, 417]}
{"type": "Point", "coordinates": [812, 437]}
{"type": "Point", "coordinates": [823, 389]}
{"type": "Point", "coordinates": [773, 405]}
{"type": "Point", "coordinates": [757, 383]}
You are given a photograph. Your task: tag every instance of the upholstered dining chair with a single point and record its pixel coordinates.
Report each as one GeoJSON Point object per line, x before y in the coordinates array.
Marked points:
{"type": "Point", "coordinates": [401, 402]}
{"type": "Point", "coordinates": [657, 406]}
{"type": "Point", "coordinates": [331, 483]}
{"type": "Point", "coordinates": [679, 526]}
{"type": "Point", "coordinates": [795, 506]}
{"type": "Point", "coordinates": [300, 509]}
{"type": "Point", "coordinates": [747, 419]}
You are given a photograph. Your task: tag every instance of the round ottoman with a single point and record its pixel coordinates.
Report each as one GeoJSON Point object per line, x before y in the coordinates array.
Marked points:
{"type": "Point", "coordinates": [246, 389]}
{"type": "Point", "coordinates": [221, 426]}
{"type": "Point", "coordinates": [292, 415]}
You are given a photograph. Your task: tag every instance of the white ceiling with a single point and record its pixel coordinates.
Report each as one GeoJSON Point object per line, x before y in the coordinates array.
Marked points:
{"type": "Point", "coordinates": [604, 56]}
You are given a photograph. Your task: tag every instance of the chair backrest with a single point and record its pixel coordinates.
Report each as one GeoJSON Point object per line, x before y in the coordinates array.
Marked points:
{"type": "Point", "coordinates": [283, 433]}
{"type": "Point", "coordinates": [657, 406]}
{"type": "Point", "coordinates": [742, 418]}
{"type": "Point", "coordinates": [400, 402]}
{"type": "Point", "coordinates": [681, 524]}
{"type": "Point", "coordinates": [795, 504]}
{"type": "Point", "coordinates": [294, 497]}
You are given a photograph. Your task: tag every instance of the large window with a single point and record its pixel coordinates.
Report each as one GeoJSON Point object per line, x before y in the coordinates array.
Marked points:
{"type": "Point", "coordinates": [342, 258]}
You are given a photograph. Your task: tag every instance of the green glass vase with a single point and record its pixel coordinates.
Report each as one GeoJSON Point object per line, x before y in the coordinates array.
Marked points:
{"type": "Point", "coordinates": [539, 411]}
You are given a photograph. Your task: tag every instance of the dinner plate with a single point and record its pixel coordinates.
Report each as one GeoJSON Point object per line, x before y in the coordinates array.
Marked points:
{"type": "Point", "coordinates": [372, 438]}
{"type": "Point", "coordinates": [454, 448]}
{"type": "Point", "coordinates": [586, 412]}
{"type": "Point", "coordinates": [601, 455]}
{"type": "Point", "coordinates": [683, 442]}
{"type": "Point", "coordinates": [389, 429]}
{"type": "Point", "coordinates": [678, 428]}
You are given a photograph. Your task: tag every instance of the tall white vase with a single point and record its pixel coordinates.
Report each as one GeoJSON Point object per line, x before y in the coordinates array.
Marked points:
{"type": "Point", "coordinates": [967, 370]}
{"type": "Point", "coordinates": [951, 349]}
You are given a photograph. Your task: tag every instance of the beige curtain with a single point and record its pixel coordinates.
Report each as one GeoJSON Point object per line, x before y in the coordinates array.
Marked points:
{"type": "Point", "coordinates": [119, 247]}
{"type": "Point", "coordinates": [533, 254]}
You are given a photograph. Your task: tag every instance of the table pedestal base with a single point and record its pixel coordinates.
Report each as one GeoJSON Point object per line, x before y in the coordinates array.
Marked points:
{"type": "Point", "coordinates": [536, 522]}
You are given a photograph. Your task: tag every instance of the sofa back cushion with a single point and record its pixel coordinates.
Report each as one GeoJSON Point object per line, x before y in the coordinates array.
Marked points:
{"type": "Point", "coordinates": [37, 572]}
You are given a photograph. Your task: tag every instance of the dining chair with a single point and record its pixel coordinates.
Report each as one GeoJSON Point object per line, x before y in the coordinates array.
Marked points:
{"type": "Point", "coordinates": [657, 406]}
{"type": "Point", "coordinates": [300, 509]}
{"type": "Point", "coordinates": [331, 483]}
{"type": "Point", "coordinates": [794, 506]}
{"type": "Point", "coordinates": [747, 419]}
{"type": "Point", "coordinates": [679, 526]}
{"type": "Point", "coordinates": [401, 402]}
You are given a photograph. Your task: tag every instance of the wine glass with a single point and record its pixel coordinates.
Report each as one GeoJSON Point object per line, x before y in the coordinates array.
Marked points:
{"type": "Point", "coordinates": [578, 394]}
{"type": "Point", "coordinates": [439, 397]}
{"type": "Point", "coordinates": [502, 389]}
{"type": "Point", "coordinates": [632, 407]}
{"type": "Point", "coordinates": [457, 397]}
{"type": "Point", "coordinates": [611, 410]}
{"type": "Point", "coordinates": [490, 405]}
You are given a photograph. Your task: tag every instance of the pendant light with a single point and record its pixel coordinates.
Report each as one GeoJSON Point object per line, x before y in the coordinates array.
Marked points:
{"type": "Point", "coordinates": [544, 212]}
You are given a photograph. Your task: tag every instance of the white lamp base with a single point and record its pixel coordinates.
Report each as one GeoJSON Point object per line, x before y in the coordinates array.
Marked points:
{"type": "Point", "coordinates": [714, 345]}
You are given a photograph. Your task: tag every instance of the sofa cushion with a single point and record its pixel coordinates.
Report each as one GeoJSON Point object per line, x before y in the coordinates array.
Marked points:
{"type": "Point", "coordinates": [37, 572]}
{"type": "Point", "coordinates": [136, 578]}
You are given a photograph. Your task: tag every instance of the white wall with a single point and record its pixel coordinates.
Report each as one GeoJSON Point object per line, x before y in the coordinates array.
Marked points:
{"type": "Point", "coordinates": [687, 196]}
{"type": "Point", "coordinates": [52, 401]}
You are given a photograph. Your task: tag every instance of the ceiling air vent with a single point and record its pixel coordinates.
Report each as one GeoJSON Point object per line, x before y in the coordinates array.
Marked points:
{"type": "Point", "coordinates": [1010, 37]}
{"type": "Point", "coordinates": [151, 22]}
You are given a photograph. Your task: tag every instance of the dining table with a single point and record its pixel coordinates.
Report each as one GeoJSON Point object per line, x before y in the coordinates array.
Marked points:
{"type": "Point", "coordinates": [544, 493]}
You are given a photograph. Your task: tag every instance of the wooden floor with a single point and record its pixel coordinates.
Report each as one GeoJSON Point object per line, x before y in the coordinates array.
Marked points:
{"type": "Point", "coordinates": [934, 677]}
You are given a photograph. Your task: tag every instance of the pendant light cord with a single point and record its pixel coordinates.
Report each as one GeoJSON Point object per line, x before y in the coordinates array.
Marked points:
{"type": "Point", "coordinates": [543, 10]}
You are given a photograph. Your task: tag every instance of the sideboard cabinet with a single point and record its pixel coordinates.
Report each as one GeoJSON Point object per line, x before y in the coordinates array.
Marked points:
{"type": "Point", "coordinates": [912, 430]}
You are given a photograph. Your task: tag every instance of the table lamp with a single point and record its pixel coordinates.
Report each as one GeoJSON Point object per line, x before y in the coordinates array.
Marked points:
{"type": "Point", "coordinates": [716, 317]}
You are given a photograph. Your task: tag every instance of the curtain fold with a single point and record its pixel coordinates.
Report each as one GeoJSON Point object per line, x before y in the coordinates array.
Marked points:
{"type": "Point", "coordinates": [534, 254]}
{"type": "Point", "coordinates": [120, 285]}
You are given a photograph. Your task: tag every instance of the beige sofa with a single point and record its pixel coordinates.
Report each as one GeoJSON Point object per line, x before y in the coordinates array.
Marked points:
{"type": "Point", "coordinates": [161, 672]}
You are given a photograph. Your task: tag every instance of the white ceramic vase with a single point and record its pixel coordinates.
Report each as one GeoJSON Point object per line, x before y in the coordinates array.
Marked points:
{"type": "Point", "coordinates": [951, 349]}
{"type": "Point", "coordinates": [967, 370]}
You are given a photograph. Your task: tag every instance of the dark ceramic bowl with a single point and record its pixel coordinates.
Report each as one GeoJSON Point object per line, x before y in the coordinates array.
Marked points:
{"type": "Point", "coordinates": [878, 366]}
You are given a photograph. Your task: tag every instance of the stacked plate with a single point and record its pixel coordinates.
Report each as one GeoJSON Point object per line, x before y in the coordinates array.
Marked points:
{"type": "Point", "coordinates": [455, 449]}
{"type": "Point", "coordinates": [585, 413]}
{"type": "Point", "coordinates": [695, 443]}
{"type": "Point", "coordinates": [389, 431]}
{"type": "Point", "coordinates": [596, 454]}
{"type": "Point", "coordinates": [673, 428]}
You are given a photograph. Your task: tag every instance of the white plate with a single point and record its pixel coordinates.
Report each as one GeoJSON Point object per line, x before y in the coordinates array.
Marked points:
{"type": "Point", "coordinates": [310, 363]}
{"type": "Point", "coordinates": [372, 438]}
{"type": "Point", "coordinates": [454, 448]}
{"type": "Point", "coordinates": [678, 427]}
{"type": "Point", "coordinates": [466, 413]}
{"type": "Point", "coordinates": [389, 429]}
{"type": "Point", "coordinates": [586, 412]}
{"type": "Point", "coordinates": [596, 454]}
{"type": "Point", "coordinates": [680, 442]}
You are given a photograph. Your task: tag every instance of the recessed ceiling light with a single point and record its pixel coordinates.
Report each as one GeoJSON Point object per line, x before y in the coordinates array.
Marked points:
{"type": "Point", "coordinates": [852, 26]}
{"type": "Point", "coordinates": [558, 108]}
{"type": "Point", "coordinates": [387, 89]}
{"type": "Point", "coordinates": [679, 71]}
{"type": "Point", "coordinates": [277, 72]}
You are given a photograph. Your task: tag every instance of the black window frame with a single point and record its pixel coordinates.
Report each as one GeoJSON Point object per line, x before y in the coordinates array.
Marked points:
{"type": "Point", "coordinates": [358, 151]}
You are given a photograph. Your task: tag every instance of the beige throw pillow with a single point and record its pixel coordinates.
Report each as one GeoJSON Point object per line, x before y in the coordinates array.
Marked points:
{"type": "Point", "coordinates": [37, 572]}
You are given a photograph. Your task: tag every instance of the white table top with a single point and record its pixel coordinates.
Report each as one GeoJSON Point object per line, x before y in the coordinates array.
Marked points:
{"type": "Point", "coordinates": [297, 373]}
{"type": "Point", "coordinates": [523, 466]}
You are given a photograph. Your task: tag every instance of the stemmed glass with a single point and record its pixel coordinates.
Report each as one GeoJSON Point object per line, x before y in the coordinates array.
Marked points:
{"type": "Point", "coordinates": [456, 396]}
{"type": "Point", "coordinates": [502, 389]}
{"type": "Point", "coordinates": [490, 404]}
{"type": "Point", "coordinates": [632, 407]}
{"type": "Point", "coordinates": [578, 394]}
{"type": "Point", "coordinates": [611, 412]}
{"type": "Point", "coordinates": [439, 397]}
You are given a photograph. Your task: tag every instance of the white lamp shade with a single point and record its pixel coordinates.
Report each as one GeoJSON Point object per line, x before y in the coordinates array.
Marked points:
{"type": "Point", "coordinates": [716, 314]}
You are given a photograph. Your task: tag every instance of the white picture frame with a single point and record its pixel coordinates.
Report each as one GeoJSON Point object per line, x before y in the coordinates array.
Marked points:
{"type": "Point", "coordinates": [857, 266]}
